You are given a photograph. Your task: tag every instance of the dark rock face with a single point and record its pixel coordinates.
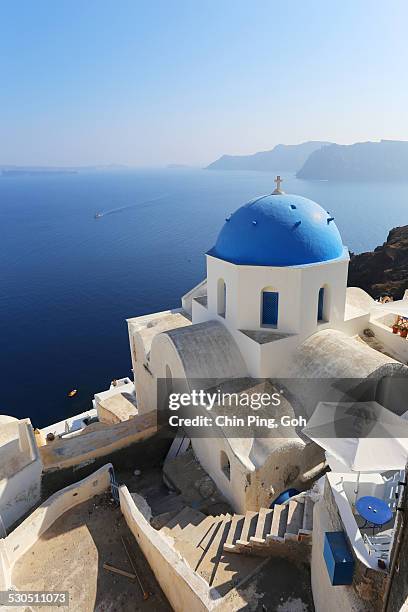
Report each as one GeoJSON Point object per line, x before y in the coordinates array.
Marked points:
{"type": "Point", "coordinates": [385, 270]}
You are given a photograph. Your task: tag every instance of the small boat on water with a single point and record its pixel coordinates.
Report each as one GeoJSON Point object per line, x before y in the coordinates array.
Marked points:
{"type": "Point", "coordinates": [98, 215]}
{"type": "Point", "coordinates": [72, 393]}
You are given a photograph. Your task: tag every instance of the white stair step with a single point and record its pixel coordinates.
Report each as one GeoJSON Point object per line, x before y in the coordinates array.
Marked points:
{"type": "Point", "coordinates": [178, 522]}
{"type": "Point", "coordinates": [279, 520]}
{"type": "Point", "coordinates": [197, 519]}
{"type": "Point", "coordinates": [307, 525]}
{"type": "Point", "coordinates": [194, 548]}
{"type": "Point", "coordinates": [207, 566]}
{"type": "Point", "coordinates": [295, 520]}
{"type": "Point", "coordinates": [248, 528]}
{"type": "Point", "coordinates": [235, 530]}
{"type": "Point", "coordinates": [263, 526]}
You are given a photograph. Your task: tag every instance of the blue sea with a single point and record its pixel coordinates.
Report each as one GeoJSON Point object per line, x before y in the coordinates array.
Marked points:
{"type": "Point", "coordinates": [69, 281]}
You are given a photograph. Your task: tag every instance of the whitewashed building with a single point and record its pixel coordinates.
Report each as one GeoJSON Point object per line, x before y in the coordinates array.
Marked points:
{"type": "Point", "coordinates": [274, 304]}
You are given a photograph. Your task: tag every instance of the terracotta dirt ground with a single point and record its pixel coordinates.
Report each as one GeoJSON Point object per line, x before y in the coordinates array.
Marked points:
{"type": "Point", "coordinates": [70, 557]}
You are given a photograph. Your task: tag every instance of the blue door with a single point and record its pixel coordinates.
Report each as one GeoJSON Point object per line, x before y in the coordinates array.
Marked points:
{"type": "Point", "coordinates": [320, 308]}
{"type": "Point", "coordinates": [270, 308]}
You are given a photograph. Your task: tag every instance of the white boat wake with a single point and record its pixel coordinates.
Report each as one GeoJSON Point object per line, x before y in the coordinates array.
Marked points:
{"type": "Point", "coordinates": [112, 211]}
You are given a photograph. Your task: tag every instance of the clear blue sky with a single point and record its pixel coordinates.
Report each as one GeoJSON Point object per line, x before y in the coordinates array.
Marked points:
{"type": "Point", "coordinates": [150, 82]}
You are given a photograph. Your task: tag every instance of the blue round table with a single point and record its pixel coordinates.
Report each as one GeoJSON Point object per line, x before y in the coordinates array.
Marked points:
{"type": "Point", "coordinates": [373, 510]}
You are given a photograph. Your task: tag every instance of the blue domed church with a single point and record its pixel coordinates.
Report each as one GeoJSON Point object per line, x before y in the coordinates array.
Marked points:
{"type": "Point", "coordinates": [274, 305]}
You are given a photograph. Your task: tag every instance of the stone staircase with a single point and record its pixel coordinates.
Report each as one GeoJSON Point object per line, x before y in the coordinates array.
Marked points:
{"type": "Point", "coordinates": [256, 531]}
{"type": "Point", "coordinates": [209, 544]}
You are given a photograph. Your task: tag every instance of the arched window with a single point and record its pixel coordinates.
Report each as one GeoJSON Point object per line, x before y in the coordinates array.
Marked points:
{"type": "Point", "coordinates": [225, 464]}
{"type": "Point", "coordinates": [322, 314]}
{"type": "Point", "coordinates": [269, 307]}
{"type": "Point", "coordinates": [221, 297]}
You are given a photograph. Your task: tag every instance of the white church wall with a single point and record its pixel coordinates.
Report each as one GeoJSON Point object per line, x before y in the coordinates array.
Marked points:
{"type": "Point", "coordinates": [298, 289]}
{"type": "Point", "coordinates": [218, 269]}
{"type": "Point", "coordinates": [208, 452]}
{"type": "Point", "coordinates": [251, 352]}
{"type": "Point", "coordinates": [244, 294]}
{"type": "Point", "coordinates": [252, 281]}
{"type": "Point", "coordinates": [276, 355]}
{"type": "Point", "coordinates": [332, 276]}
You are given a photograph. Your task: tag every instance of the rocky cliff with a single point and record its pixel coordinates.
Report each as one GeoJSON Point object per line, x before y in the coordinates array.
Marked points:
{"type": "Point", "coordinates": [282, 157]}
{"type": "Point", "coordinates": [383, 271]}
{"type": "Point", "coordinates": [364, 161]}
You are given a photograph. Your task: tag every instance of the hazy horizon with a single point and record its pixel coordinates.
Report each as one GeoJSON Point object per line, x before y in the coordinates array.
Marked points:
{"type": "Point", "coordinates": [116, 165]}
{"type": "Point", "coordinates": [147, 84]}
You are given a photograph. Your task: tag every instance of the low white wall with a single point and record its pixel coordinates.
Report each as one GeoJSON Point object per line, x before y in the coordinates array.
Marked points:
{"type": "Point", "coordinates": [184, 589]}
{"type": "Point", "coordinates": [197, 291]}
{"type": "Point", "coordinates": [354, 326]}
{"type": "Point", "coordinates": [97, 440]}
{"type": "Point", "coordinates": [21, 468]}
{"type": "Point", "coordinates": [325, 595]}
{"type": "Point", "coordinates": [333, 513]}
{"type": "Point", "coordinates": [29, 531]}
{"type": "Point", "coordinates": [395, 342]}
{"type": "Point", "coordinates": [19, 493]}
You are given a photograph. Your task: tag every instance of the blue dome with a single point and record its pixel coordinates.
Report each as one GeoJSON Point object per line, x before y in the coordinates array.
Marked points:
{"type": "Point", "coordinates": [279, 230]}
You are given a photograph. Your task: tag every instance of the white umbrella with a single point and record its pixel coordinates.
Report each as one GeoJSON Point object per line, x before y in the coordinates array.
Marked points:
{"type": "Point", "coordinates": [364, 436]}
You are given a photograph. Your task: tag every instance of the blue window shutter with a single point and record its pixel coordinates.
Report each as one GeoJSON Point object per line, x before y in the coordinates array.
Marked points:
{"type": "Point", "coordinates": [270, 307]}
{"type": "Point", "coordinates": [320, 308]}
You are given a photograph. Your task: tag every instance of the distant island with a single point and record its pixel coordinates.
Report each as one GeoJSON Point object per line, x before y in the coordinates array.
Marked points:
{"type": "Point", "coordinates": [177, 166]}
{"type": "Point", "coordinates": [384, 160]}
{"type": "Point", "coordinates": [282, 157]}
{"type": "Point", "coordinates": [28, 172]}
{"type": "Point", "coordinates": [12, 170]}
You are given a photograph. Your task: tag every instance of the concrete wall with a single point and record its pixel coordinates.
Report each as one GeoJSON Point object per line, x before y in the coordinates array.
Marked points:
{"type": "Point", "coordinates": [96, 441]}
{"type": "Point", "coordinates": [184, 589]}
{"type": "Point", "coordinates": [20, 471]}
{"type": "Point", "coordinates": [368, 587]}
{"type": "Point", "coordinates": [19, 493]}
{"type": "Point", "coordinates": [234, 489]}
{"type": "Point", "coordinates": [398, 592]}
{"type": "Point", "coordinates": [31, 529]}
{"type": "Point", "coordinates": [197, 291]}
{"type": "Point", "coordinates": [398, 345]}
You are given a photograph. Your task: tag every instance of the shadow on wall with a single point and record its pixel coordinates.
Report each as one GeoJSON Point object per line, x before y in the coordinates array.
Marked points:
{"type": "Point", "coordinates": [140, 455]}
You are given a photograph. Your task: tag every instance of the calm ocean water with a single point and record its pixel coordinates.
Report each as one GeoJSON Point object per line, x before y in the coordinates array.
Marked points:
{"type": "Point", "coordinates": [69, 281]}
